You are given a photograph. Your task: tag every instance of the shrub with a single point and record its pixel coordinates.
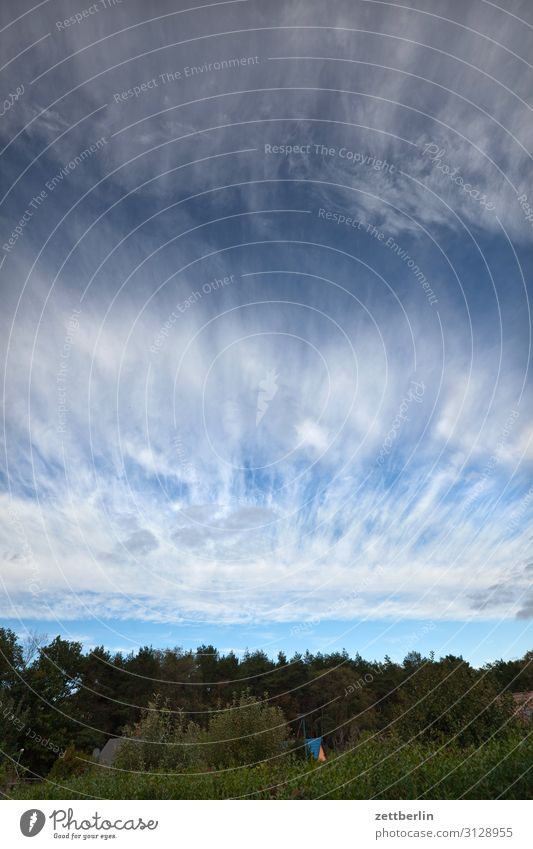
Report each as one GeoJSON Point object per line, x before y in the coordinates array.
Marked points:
{"type": "Point", "coordinates": [163, 739]}
{"type": "Point", "coordinates": [247, 731]}
{"type": "Point", "coordinates": [72, 764]}
{"type": "Point", "coordinates": [385, 768]}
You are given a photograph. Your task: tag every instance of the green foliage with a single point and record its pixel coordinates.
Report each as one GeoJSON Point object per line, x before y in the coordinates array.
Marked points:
{"type": "Point", "coordinates": [72, 764]}
{"type": "Point", "coordinates": [247, 731]}
{"type": "Point", "coordinates": [11, 658]}
{"type": "Point", "coordinates": [514, 675]}
{"type": "Point", "coordinates": [383, 768]}
{"type": "Point", "coordinates": [13, 719]}
{"type": "Point", "coordinates": [53, 695]}
{"type": "Point", "coordinates": [451, 701]}
{"type": "Point", "coordinates": [162, 739]}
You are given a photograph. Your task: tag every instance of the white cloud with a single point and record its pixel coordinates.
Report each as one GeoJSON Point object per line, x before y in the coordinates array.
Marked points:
{"type": "Point", "coordinates": [220, 462]}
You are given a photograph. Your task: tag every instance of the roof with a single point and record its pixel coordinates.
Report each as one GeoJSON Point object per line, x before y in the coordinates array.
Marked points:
{"type": "Point", "coordinates": [523, 697]}
{"type": "Point", "coordinates": [109, 752]}
{"type": "Point", "coordinates": [524, 704]}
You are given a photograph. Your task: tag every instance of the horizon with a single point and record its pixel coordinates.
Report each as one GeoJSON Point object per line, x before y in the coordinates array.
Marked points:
{"type": "Point", "coordinates": [396, 645]}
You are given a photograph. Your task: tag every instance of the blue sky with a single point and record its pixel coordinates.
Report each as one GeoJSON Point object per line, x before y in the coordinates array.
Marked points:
{"type": "Point", "coordinates": [266, 328]}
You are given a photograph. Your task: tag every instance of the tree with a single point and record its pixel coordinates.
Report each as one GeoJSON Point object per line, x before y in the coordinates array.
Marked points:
{"type": "Point", "coordinates": [99, 700]}
{"type": "Point", "coordinates": [515, 675]}
{"type": "Point", "coordinates": [449, 700]}
{"type": "Point", "coordinates": [51, 683]}
{"type": "Point", "coordinates": [247, 731]}
{"type": "Point", "coordinates": [162, 739]}
{"type": "Point", "coordinates": [11, 659]}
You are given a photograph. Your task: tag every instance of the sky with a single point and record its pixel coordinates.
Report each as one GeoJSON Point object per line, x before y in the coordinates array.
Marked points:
{"type": "Point", "coordinates": [266, 332]}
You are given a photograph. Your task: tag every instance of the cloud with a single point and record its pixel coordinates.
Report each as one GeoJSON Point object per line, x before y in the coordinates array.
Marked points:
{"type": "Point", "coordinates": [184, 449]}
{"type": "Point", "coordinates": [275, 530]}
{"type": "Point", "coordinates": [311, 435]}
{"type": "Point", "coordinates": [141, 542]}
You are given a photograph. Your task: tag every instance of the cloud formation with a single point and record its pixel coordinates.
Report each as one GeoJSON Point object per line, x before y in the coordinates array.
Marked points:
{"type": "Point", "coordinates": [214, 322]}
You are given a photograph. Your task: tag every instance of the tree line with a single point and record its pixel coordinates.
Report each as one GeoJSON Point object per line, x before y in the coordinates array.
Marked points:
{"type": "Point", "coordinates": [53, 695]}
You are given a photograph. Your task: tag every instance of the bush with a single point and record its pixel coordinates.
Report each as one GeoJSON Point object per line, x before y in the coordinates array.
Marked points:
{"type": "Point", "coordinates": [247, 731]}
{"type": "Point", "coordinates": [163, 739]}
{"type": "Point", "coordinates": [384, 768]}
{"type": "Point", "coordinates": [72, 764]}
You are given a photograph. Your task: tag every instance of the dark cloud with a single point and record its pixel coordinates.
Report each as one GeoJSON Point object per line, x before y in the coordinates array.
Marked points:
{"type": "Point", "coordinates": [141, 542]}
{"type": "Point", "coordinates": [493, 596]}
{"type": "Point", "coordinates": [526, 611]}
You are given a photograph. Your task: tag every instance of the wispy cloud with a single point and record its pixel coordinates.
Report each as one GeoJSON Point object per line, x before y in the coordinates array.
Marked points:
{"type": "Point", "coordinates": [204, 359]}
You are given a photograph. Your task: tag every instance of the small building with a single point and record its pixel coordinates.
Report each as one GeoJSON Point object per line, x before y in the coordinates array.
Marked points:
{"type": "Point", "coordinates": [523, 705]}
{"type": "Point", "coordinates": [108, 754]}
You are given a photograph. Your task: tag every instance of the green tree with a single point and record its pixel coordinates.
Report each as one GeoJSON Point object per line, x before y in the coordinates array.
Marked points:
{"type": "Point", "coordinates": [248, 731]}
{"type": "Point", "coordinates": [450, 700]}
{"type": "Point", "coordinates": [51, 683]}
{"type": "Point", "coordinates": [163, 739]}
